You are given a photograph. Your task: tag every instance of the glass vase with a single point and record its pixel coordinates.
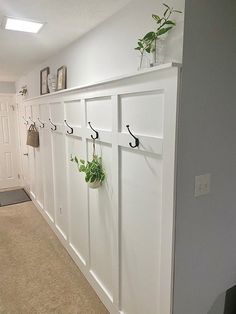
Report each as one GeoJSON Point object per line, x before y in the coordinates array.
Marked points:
{"type": "Point", "coordinates": [144, 61]}
{"type": "Point", "coordinates": [159, 53]}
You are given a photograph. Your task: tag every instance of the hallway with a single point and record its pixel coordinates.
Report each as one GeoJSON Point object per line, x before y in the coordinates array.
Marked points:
{"type": "Point", "coordinates": [36, 274]}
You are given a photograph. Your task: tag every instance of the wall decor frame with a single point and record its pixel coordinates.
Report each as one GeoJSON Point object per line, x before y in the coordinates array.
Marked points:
{"type": "Point", "coordinates": [44, 81]}
{"type": "Point", "coordinates": [62, 78]}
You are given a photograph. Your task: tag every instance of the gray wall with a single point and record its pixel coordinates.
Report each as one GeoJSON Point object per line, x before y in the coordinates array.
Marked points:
{"type": "Point", "coordinates": [206, 226]}
{"type": "Point", "coordinates": [108, 50]}
{"type": "Point", "coordinates": [7, 88]}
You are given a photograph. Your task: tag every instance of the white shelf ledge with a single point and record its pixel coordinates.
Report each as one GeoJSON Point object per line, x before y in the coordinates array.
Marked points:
{"type": "Point", "coordinates": [111, 80]}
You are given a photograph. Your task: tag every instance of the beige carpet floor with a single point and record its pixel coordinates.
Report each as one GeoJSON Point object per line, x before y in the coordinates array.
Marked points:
{"type": "Point", "coordinates": [36, 273]}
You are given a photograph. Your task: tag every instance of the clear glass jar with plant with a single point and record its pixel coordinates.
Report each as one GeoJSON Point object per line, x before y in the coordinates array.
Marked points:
{"type": "Point", "coordinates": [148, 44]}
{"type": "Point", "coordinates": [94, 172]}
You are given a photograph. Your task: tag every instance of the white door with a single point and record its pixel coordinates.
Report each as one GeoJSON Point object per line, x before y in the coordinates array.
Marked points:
{"type": "Point", "coordinates": [8, 143]}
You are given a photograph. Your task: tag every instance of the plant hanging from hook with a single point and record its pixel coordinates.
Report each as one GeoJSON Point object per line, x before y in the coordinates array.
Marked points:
{"type": "Point", "coordinates": [94, 172]}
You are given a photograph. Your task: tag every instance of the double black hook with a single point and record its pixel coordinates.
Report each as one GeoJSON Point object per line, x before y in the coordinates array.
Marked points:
{"type": "Point", "coordinates": [54, 126]}
{"type": "Point", "coordinates": [96, 133]}
{"type": "Point", "coordinates": [71, 129]}
{"type": "Point", "coordinates": [135, 138]}
{"type": "Point", "coordinates": [42, 124]}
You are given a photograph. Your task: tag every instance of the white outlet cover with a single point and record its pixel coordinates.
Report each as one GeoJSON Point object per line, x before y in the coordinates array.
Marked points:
{"type": "Point", "coordinates": [202, 184]}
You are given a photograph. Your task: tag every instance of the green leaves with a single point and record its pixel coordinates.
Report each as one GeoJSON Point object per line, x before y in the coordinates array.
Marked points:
{"type": "Point", "coordinates": [166, 11]}
{"type": "Point", "coordinates": [157, 18]}
{"type": "Point", "coordinates": [166, 5]}
{"type": "Point", "coordinates": [164, 25]}
{"type": "Point", "coordinates": [93, 169]}
{"type": "Point", "coordinates": [177, 11]}
{"type": "Point", "coordinates": [149, 36]}
{"type": "Point", "coordinates": [163, 31]}
{"type": "Point", "coordinates": [170, 23]}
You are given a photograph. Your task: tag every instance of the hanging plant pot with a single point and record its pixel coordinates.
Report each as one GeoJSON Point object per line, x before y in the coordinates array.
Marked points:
{"type": "Point", "coordinates": [93, 170]}
{"type": "Point", "coordinates": [95, 185]}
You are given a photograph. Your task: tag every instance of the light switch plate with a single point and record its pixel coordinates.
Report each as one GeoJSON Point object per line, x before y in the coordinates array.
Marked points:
{"type": "Point", "coordinates": [202, 185]}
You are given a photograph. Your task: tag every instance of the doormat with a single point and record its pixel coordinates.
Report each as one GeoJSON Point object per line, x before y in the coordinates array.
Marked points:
{"type": "Point", "coordinates": [13, 197]}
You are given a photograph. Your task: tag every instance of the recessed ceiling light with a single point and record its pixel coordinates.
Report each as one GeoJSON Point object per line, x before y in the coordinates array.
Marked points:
{"type": "Point", "coordinates": [20, 25]}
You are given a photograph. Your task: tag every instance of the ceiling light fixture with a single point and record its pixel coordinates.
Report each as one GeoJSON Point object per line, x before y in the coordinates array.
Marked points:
{"type": "Point", "coordinates": [15, 24]}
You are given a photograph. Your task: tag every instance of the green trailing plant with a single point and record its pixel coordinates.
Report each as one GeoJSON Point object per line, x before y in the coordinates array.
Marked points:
{"type": "Point", "coordinates": [163, 25]}
{"type": "Point", "coordinates": [93, 169]}
{"type": "Point", "coordinates": [23, 90]}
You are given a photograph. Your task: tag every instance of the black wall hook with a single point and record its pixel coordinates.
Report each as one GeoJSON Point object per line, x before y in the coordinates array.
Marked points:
{"type": "Point", "coordinates": [42, 124]}
{"type": "Point", "coordinates": [97, 135]}
{"type": "Point", "coordinates": [26, 121]}
{"type": "Point", "coordinates": [136, 139]}
{"type": "Point", "coordinates": [32, 121]}
{"type": "Point", "coordinates": [71, 129]}
{"type": "Point", "coordinates": [54, 126]}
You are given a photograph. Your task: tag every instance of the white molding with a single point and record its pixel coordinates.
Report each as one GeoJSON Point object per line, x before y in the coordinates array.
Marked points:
{"type": "Point", "coordinates": [111, 80]}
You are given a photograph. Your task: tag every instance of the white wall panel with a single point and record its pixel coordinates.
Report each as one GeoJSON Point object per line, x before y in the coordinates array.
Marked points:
{"type": "Point", "coordinates": [74, 114]}
{"type": "Point", "coordinates": [38, 159]}
{"type": "Point", "coordinates": [57, 112]}
{"type": "Point", "coordinates": [141, 177]}
{"type": "Point", "coordinates": [99, 113]}
{"type": "Point", "coordinates": [121, 234]}
{"type": "Point", "coordinates": [101, 224]}
{"type": "Point", "coordinates": [31, 153]}
{"type": "Point", "coordinates": [59, 160]}
{"type": "Point", "coordinates": [77, 201]}
{"type": "Point", "coordinates": [47, 163]}
{"type": "Point", "coordinates": [144, 112]}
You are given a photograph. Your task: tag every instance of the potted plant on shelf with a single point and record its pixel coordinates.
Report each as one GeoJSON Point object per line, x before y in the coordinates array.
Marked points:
{"type": "Point", "coordinates": [153, 42]}
{"type": "Point", "coordinates": [94, 173]}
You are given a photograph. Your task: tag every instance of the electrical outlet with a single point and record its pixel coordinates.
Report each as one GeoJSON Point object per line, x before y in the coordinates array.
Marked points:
{"type": "Point", "coordinates": [202, 185]}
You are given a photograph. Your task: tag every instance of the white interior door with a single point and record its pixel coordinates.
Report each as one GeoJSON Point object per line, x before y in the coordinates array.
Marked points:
{"type": "Point", "coordinates": [9, 164]}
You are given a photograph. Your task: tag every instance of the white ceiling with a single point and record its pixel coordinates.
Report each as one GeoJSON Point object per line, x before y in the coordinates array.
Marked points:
{"type": "Point", "coordinates": [66, 20]}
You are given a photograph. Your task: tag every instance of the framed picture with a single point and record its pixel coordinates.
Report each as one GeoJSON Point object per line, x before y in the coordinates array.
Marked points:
{"type": "Point", "coordinates": [61, 78]}
{"type": "Point", "coordinates": [44, 81]}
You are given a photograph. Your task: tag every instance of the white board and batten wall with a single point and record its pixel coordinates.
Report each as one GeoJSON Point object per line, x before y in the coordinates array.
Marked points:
{"type": "Point", "coordinates": [121, 235]}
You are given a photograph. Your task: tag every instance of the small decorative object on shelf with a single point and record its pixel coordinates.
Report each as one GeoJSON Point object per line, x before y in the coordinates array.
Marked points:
{"type": "Point", "coordinates": [44, 81]}
{"type": "Point", "coordinates": [94, 172]}
{"type": "Point", "coordinates": [23, 91]}
{"type": "Point", "coordinates": [52, 83]}
{"type": "Point", "coordinates": [61, 78]}
{"type": "Point", "coordinates": [154, 42]}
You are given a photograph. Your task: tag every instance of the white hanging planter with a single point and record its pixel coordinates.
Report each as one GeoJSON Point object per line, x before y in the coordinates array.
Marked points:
{"type": "Point", "coordinates": [95, 185]}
